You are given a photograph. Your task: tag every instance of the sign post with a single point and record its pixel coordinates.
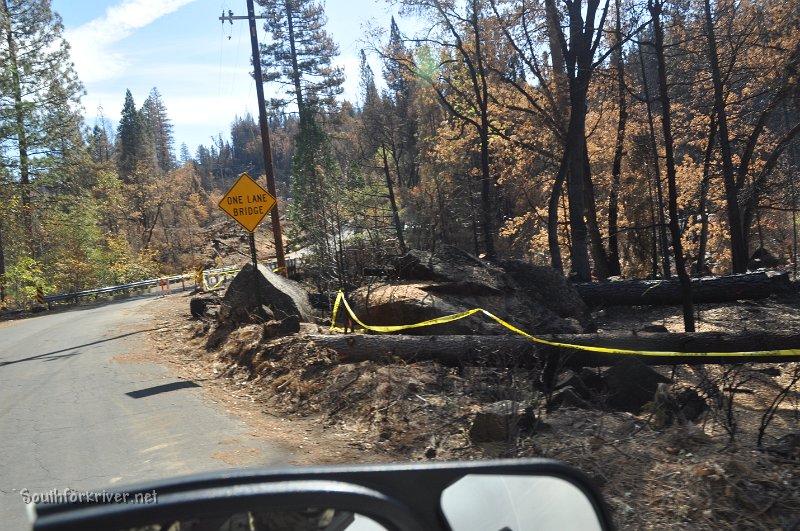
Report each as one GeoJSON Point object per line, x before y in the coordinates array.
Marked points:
{"type": "Point", "coordinates": [248, 202]}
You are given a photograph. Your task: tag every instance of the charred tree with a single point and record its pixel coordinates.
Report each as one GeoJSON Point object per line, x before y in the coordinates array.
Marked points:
{"type": "Point", "coordinates": [748, 286]}
{"type": "Point", "coordinates": [656, 8]}
{"type": "Point", "coordinates": [518, 351]}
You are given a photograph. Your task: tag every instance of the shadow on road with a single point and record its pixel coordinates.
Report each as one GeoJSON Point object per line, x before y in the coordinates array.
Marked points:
{"type": "Point", "coordinates": [165, 388]}
{"type": "Point", "coordinates": [48, 356]}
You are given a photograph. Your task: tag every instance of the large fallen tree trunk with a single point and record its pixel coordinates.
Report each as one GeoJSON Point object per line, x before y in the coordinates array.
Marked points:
{"type": "Point", "coordinates": [749, 286]}
{"type": "Point", "coordinates": [508, 351]}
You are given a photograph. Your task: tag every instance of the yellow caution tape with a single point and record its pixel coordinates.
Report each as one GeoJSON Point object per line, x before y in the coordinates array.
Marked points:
{"type": "Point", "coordinates": [605, 350]}
{"type": "Point", "coordinates": [224, 276]}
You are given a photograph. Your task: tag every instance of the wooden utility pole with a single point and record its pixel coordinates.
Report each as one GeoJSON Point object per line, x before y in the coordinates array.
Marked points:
{"type": "Point", "coordinates": [262, 119]}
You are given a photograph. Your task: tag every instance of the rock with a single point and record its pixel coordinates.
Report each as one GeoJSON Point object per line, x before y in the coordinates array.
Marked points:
{"type": "Point", "coordinates": [787, 446]}
{"type": "Point", "coordinates": [251, 289]}
{"type": "Point", "coordinates": [496, 422]}
{"type": "Point", "coordinates": [664, 408]}
{"type": "Point", "coordinates": [655, 329]}
{"type": "Point", "coordinates": [762, 259]}
{"type": "Point", "coordinates": [414, 386]}
{"type": "Point", "coordinates": [568, 378]}
{"type": "Point", "coordinates": [322, 301]}
{"type": "Point", "coordinates": [451, 281]}
{"type": "Point", "coordinates": [567, 397]}
{"type": "Point", "coordinates": [631, 384]}
{"type": "Point", "coordinates": [452, 265]}
{"type": "Point", "coordinates": [198, 306]}
{"type": "Point", "coordinates": [690, 404]}
{"type": "Point", "coordinates": [385, 305]}
{"type": "Point", "coordinates": [546, 286]}
{"type": "Point", "coordinates": [415, 265]}
{"type": "Point", "coordinates": [288, 326]}
{"type": "Point", "coordinates": [686, 437]}
{"type": "Point", "coordinates": [592, 379]}
{"type": "Point", "coordinates": [528, 421]}
{"type": "Point", "coordinates": [403, 304]}
{"type": "Point", "coordinates": [463, 287]}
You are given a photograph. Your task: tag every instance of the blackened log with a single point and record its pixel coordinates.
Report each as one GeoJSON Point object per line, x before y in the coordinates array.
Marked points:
{"type": "Point", "coordinates": [512, 350]}
{"type": "Point", "coordinates": [748, 286]}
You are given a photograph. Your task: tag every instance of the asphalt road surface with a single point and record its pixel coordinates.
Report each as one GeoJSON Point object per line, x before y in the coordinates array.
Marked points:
{"type": "Point", "coordinates": [71, 416]}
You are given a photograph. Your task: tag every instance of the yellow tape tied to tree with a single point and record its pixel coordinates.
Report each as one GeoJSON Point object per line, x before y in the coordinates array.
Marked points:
{"type": "Point", "coordinates": [340, 298]}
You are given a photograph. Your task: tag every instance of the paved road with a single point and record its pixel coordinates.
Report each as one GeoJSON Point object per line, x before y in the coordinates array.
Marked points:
{"type": "Point", "coordinates": [73, 417]}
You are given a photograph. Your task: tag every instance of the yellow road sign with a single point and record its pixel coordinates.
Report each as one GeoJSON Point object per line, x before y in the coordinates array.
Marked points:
{"type": "Point", "coordinates": [247, 202]}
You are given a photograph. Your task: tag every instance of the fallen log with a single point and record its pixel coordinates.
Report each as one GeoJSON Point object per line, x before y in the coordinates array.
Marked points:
{"type": "Point", "coordinates": [509, 351]}
{"type": "Point", "coordinates": [749, 286]}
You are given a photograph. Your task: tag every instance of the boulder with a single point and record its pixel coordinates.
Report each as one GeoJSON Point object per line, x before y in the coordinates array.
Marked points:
{"type": "Point", "coordinates": [288, 326]}
{"type": "Point", "coordinates": [496, 422]}
{"type": "Point", "coordinates": [567, 397]}
{"type": "Point", "coordinates": [569, 379]}
{"type": "Point", "coordinates": [387, 304]}
{"type": "Point", "coordinates": [547, 287]}
{"type": "Point", "coordinates": [456, 269]}
{"type": "Point", "coordinates": [592, 379]}
{"type": "Point", "coordinates": [631, 384]}
{"type": "Point", "coordinates": [198, 306]}
{"type": "Point", "coordinates": [450, 281]}
{"type": "Point", "coordinates": [403, 304]}
{"type": "Point", "coordinates": [258, 295]}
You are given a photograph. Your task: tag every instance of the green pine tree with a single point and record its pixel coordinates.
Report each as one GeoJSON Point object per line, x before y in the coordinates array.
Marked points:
{"type": "Point", "coordinates": [131, 139]}
{"type": "Point", "coordinates": [159, 128]}
{"type": "Point", "coordinates": [39, 124]}
{"type": "Point", "coordinates": [301, 54]}
{"type": "Point", "coordinates": [40, 92]}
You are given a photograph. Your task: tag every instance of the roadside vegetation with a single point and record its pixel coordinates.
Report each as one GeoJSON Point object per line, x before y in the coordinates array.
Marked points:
{"type": "Point", "coordinates": [628, 138]}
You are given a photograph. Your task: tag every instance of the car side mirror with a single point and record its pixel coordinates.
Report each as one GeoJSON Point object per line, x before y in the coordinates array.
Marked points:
{"type": "Point", "coordinates": [497, 501]}
{"type": "Point", "coordinates": [507, 495]}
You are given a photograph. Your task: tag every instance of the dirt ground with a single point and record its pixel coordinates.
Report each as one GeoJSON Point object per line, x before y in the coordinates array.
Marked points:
{"type": "Point", "coordinates": [688, 475]}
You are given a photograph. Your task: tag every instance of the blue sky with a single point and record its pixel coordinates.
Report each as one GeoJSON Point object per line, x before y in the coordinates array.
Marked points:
{"type": "Point", "coordinates": [200, 66]}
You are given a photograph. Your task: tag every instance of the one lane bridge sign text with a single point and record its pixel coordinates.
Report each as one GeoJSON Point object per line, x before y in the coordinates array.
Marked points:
{"type": "Point", "coordinates": [247, 202]}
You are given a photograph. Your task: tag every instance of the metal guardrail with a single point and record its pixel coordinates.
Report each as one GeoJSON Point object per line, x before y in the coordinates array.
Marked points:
{"type": "Point", "coordinates": [150, 283]}
{"type": "Point", "coordinates": [292, 267]}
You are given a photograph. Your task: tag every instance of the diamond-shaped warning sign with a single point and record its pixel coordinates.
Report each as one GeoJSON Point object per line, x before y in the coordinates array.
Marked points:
{"type": "Point", "coordinates": [247, 202]}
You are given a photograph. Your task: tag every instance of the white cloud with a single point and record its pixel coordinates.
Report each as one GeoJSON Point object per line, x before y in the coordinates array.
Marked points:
{"type": "Point", "coordinates": [92, 43]}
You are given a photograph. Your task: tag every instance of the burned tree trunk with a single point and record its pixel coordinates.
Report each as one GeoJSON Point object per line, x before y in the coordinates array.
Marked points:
{"type": "Point", "coordinates": [748, 286]}
{"type": "Point", "coordinates": [518, 351]}
{"type": "Point", "coordinates": [669, 156]}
